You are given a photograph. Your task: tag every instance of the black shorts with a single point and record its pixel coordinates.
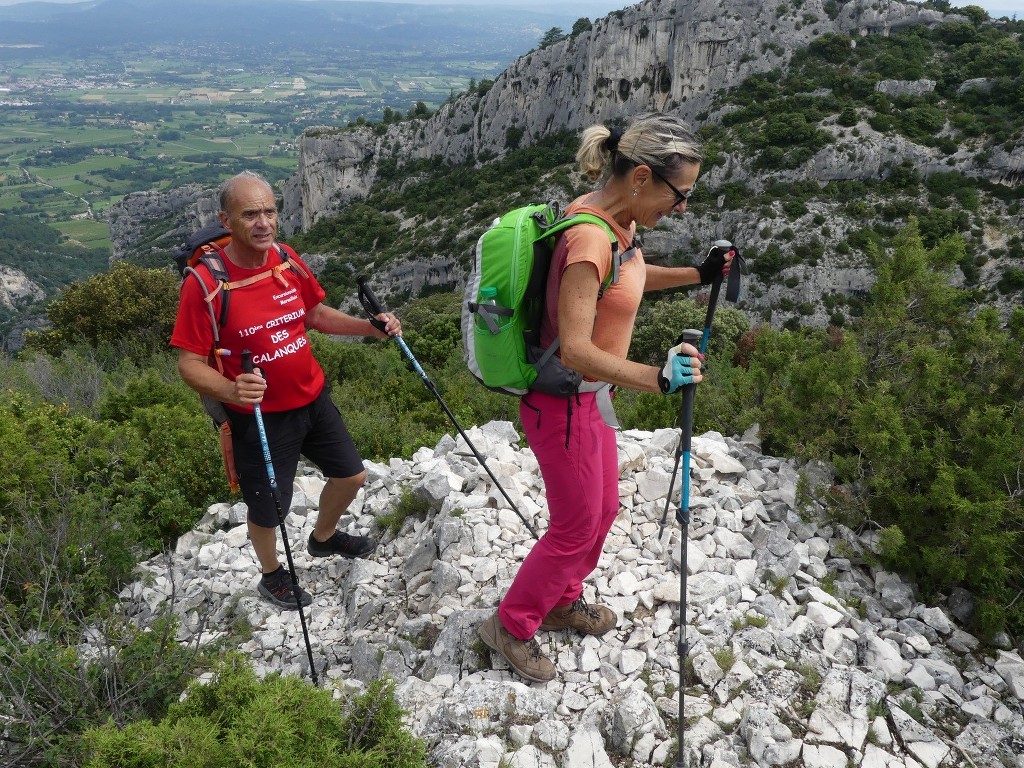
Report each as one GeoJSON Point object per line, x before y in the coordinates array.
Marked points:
{"type": "Point", "coordinates": [315, 431]}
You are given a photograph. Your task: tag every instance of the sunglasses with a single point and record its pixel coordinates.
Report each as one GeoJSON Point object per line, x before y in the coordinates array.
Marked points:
{"type": "Point", "coordinates": [681, 197]}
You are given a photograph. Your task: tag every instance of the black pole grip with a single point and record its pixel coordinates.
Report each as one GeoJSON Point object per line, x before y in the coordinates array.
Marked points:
{"type": "Point", "coordinates": [686, 418]}
{"type": "Point", "coordinates": [371, 304]}
{"type": "Point", "coordinates": [247, 361]}
{"type": "Point", "coordinates": [686, 411]}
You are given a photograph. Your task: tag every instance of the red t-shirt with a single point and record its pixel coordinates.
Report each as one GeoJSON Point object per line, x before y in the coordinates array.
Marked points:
{"type": "Point", "coordinates": [267, 318]}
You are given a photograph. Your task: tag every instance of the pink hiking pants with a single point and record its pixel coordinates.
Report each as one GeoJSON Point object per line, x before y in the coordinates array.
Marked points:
{"type": "Point", "coordinates": [582, 482]}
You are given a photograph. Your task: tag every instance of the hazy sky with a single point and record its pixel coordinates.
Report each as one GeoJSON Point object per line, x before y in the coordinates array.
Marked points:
{"type": "Point", "coordinates": [996, 8]}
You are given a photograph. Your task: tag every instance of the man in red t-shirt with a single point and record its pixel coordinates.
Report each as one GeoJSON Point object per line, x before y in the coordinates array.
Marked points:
{"type": "Point", "coordinates": [269, 316]}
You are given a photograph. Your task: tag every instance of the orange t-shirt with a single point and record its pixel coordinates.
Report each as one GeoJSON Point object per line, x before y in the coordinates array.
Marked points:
{"type": "Point", "coordinates": [617, 307]}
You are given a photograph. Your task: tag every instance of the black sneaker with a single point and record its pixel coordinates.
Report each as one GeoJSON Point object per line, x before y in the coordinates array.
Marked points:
{"type": "Point", "coordinates": [277, 587]}
{"type": "Point", "coordinates": [341, 544]}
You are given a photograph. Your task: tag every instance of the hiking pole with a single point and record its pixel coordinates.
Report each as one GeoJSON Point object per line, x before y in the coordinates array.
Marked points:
{"type": "Point", "coordinates": [716, 285]}
{"type": "Point", "coordinates": [723, 246]}
{"type": "Point", "coordinates": [276, 492]}
{"type": "Point", "coordinates": [692, 336]}
{"type": "Point", "coordinates": [373, 308]}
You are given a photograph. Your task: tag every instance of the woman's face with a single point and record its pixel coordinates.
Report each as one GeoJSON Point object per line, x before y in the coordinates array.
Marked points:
{"type": "Point", "coordinates": [665, 193]}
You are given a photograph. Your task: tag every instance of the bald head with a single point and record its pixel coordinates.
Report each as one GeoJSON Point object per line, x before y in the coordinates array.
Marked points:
{"type": "Point", "coordinates": [244, 179]}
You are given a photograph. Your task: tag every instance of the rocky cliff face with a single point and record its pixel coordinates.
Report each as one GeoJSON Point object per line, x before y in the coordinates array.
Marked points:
{"type": "Point", "coordinates": [184, 209]}
{"type": "Point", "coordinates": [16, 286]}
{"type": "Point", "coordinates": [666, 55]}
{"type": "Point", "coordinates": [672, 55]}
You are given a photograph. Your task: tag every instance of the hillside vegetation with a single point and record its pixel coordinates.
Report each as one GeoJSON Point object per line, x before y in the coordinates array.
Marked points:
{"type": "Point", "coordinates": [909, 394]}
{"type": "Point", "coordinates": [951, 97]}
{"type": "Point", "coordinates": [108, 458]}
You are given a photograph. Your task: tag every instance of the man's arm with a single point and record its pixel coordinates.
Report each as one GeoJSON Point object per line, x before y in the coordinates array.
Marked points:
{"type": "Point", "coordinates": [329, 320]}
{"type": "Point", "coordinates": [247, 389]}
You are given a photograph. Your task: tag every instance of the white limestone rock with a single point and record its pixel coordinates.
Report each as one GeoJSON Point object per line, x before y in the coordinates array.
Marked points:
{"type": "Point", "coordinates": [1010, 667]}
{"type": "Point", "coordinates": [768, 739]}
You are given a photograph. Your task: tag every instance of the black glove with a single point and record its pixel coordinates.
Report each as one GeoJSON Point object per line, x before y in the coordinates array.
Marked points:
{"type": "Point", "coordinates": [712, 265]}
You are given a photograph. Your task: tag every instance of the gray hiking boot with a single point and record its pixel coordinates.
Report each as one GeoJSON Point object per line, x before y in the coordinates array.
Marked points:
{"type": "Point", "coordinates": [588, 619]}
{"type": "Point", "coordinates": [523, 656]}
{"type": "Point", "coordinates": [342, 544]}
{"type": "Point", "coordinates": [277, 587]}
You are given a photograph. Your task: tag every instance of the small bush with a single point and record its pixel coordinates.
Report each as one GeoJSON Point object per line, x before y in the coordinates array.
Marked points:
{"type": "Point", "coordinates": [724, 657]}
{"type": "Point", "coordinates": [51, 695]}
{"type": "Point", "coordinates": [279, 721]}
{"type": "Point", "coordinates": [409, 505]}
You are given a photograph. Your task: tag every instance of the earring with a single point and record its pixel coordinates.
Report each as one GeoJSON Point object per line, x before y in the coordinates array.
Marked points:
{"type": "Point", "coordinates": [634, 192]}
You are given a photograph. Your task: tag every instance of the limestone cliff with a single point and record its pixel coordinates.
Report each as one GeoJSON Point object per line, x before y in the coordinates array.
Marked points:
{"type": "Point", "coordinates": [183, 209]}
{"type": "Point", "coordinates": [672, 55]}
{"type": "Point", "coordinates": [679, 56]}
{"type": "Point", "coordinates": [15, 286]}
{"type": "Point", "coordinates": [666, 55]}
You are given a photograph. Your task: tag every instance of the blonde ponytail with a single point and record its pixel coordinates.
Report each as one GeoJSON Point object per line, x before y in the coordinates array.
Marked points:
{"type": "Point", "coordinates": [662, 142]}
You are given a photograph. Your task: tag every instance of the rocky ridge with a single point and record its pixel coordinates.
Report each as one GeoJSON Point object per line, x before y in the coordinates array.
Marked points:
{"type": "Point", "coordinates": [801, 653]}
{"type": "Point", "coordinates": [665, 55]}
{"type": "Point", "coordinates": [16, 286]}
{"type": "Point", "coordinates": [660, 54]}
{"type": "Point", "coordinates": [183, 209]}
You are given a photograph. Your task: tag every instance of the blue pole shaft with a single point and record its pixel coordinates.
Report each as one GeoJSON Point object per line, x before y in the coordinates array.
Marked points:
{"type": "Point", "coordinates": [683, 516]}
{"type": "Point", "coordinates": [247, 367]}
{"type": "Point", "coordinates": [373, 308]}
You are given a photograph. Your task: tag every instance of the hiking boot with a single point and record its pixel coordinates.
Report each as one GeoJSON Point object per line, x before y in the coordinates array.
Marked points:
{"type": "Point", "coordinates": [277, 587]}
{"type": "Point", "coordinates": [523, 656]}
{"type": "Point", "coordinates": [341, 544]}
{"type": "Point", "coordinates": [588, 619]}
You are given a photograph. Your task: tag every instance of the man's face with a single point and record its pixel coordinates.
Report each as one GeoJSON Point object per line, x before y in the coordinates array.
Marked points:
{"type": "Point", "coordinates": [251, 217]}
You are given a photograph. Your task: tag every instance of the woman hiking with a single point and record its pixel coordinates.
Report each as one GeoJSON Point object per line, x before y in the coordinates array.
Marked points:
{"type": "Point", "coordinates": [649, 170]}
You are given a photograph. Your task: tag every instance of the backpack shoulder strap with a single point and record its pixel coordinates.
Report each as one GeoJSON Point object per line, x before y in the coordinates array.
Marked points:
{"type": "Point", "coordinates": [214, 260]}
{"type": "Point", "coordinates": [285, 253]}
{"type": "Point", "coordinates": [216, 268]}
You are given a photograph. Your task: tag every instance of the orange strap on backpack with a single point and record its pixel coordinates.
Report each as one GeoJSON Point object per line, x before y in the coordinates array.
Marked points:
{"type": "Point", "coordinates": [227, 453]}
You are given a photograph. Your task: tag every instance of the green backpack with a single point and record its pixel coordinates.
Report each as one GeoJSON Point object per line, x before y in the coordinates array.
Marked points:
{"type": "Point", "coordinates": [504, 301]}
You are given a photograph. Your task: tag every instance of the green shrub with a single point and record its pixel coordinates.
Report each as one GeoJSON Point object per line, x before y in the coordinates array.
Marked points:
{"type": "Point", "coordinates": [152, 476]}
{"type": "Point", "coordinates": [768, 265]}
{"type": "Point", "coordinates": [928, 444]}
{"type": "Point", "coordinates": [158, 384]}
{"type": "Point", "coordinates": [1012, 280]}
{"type": "Point", "coordinates": [129, 308]}
{"type": "Point", "coordinates": [409, 504]}
{"type": "Point", "coordinates": [848, 117]}
{"type": "Point", "coordinates": [660, 322]}
{"type": "Point", "coordinates": [55, 695]}
{"type": "Point", "coordinates": [282, 722]}
{"type": "Point", "coordinates": [173, 470]}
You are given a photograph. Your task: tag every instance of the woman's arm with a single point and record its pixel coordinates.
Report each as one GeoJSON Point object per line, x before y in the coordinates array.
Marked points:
{"type": "Point", "coordinates": [577, 308]}
{"type": "Point", "coordinates": [659, 278]}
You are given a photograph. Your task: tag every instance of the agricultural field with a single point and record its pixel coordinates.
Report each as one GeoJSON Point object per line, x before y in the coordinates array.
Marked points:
{"type": "Point", "coordinates": [77, 137]}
